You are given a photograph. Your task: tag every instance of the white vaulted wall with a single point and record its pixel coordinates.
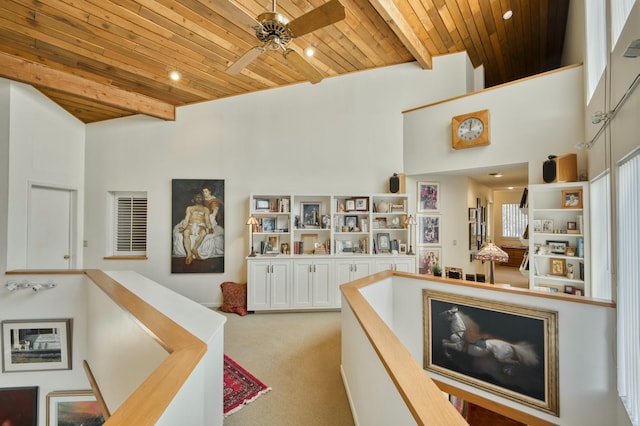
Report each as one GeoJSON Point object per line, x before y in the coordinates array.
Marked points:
{"type": "Point", "coordinates": [343, 135]}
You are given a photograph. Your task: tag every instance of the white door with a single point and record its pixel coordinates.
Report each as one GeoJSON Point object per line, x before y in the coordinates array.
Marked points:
{"type": "Point", "coordinates": [49, 228]}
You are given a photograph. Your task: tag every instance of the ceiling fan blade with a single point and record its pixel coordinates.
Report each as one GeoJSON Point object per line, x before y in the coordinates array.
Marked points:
{"type": "Point", "coordinates": [245, 60]}
{"type": "Point", "coordinates": [327, 14]}
{"type": "Point", "coordinates": [304, 67]}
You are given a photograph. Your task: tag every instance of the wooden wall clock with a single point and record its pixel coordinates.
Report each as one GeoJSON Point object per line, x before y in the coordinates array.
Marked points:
{"type": "Point", "coordinates": [469, 130]}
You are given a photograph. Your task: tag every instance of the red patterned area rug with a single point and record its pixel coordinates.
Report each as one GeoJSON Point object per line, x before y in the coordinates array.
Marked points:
{"type": "Point", "coordinates": [240, 387]}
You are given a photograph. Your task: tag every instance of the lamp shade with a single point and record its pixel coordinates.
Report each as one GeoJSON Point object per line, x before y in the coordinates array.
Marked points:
{"type": "Point", "coordinates": [493, 253]}
{"type": "Point", "coordinates": [252, 221]}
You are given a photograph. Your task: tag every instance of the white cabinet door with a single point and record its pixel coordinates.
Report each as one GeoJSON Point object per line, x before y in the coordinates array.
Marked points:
{"type": "Point", "coordinates": [361, 268]}
{"type": "Point", "coordinates": [258, 289]}
{"type": "Point", "coordinates": [302, 283]}
{"type": "Point", "coordinates": [322, 284]}
{"type": "Point", "coordinates": [405, 265]}
{"type": "Point", "coordinates": [384, 265]}
{"type": "Point", "coordinates": [280, 284]}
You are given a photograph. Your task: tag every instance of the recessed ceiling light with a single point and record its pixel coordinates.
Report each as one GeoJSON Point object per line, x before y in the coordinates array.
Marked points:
{"type": "Point", "coordinates": [497, 174]}
{"type": "Point", "coordinates": [507, 15]}
{"type": "Point", "coordinates": [174, 75]}
{"type": "Point", "coordinates": [309, 51]}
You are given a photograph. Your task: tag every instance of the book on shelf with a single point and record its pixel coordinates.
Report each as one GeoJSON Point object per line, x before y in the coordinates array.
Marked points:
{"type": "Point", "coordinates": [580, 247]}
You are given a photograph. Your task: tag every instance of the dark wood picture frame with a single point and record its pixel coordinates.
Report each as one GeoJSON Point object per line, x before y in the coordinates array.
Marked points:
{"type": "Point", "coordinates": [19, 405]}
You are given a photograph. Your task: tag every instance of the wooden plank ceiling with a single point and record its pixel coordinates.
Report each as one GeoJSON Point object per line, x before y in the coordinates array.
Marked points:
{"type": "Point", "coordinates": [103, 59]}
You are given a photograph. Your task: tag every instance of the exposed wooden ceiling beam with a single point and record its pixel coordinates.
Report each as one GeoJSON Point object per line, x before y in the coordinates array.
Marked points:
{"type": "Point", "coordinates": [395, 19]}
{"type": "Point", "coordinates": [41, 76]}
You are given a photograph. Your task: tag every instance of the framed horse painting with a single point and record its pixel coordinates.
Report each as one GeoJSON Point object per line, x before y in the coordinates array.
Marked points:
{"type": "Point", "coordinates": [509, 350]}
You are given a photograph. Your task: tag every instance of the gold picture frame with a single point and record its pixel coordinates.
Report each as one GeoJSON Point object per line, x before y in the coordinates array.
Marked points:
{"type": "Point", "coordinates": [532, 381]}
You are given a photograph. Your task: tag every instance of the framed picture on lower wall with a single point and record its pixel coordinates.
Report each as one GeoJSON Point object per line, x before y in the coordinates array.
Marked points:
{"type": "Point", "coordinates": [19, 406]}
{"type": "Point", "coordinates": [73, 408]}
{"type": "Point", "coordinates": [519, 361]}
{"type": "Point", "coordinates": [36, 345]}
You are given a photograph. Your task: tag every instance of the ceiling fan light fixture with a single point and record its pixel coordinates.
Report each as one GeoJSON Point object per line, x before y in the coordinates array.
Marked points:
{"type": "Point", "coordinates": [507, 15]}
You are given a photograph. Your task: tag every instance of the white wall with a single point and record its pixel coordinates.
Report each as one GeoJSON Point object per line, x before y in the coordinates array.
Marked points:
{"type": "Point", "coordinates": [586, 372]}
{"type": "Point", "coordinates": [529, 119]}
{"type": "Point", "coordinates": [67, 300]}
{"type": "Point", "coordinates": [46, 147]}
{"type": "Point", "coordinates": [343, 135]}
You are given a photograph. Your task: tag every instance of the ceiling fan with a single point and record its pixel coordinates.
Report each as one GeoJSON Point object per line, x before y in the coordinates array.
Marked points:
{"type": "Point", "coordinates": [275, 32]}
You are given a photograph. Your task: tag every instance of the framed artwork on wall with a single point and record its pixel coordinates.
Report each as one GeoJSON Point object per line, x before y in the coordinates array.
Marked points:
{"type": "Point", "coordinates": [36, 345]}
{"type": "Point", "coordinates": [428, 257]}
{"type": "Point", "coordinates": [429, 229]}
{"type": "Point", "coordinates": [73, 408]}
{"type": "Point", "coordinates": [197, 212]}
{"type": "Point", "coordinates": [428, 197]}
{"type": "Point", "coordinates": [488, 363]}
{"type": "Point", "coordinates": [19, 406]}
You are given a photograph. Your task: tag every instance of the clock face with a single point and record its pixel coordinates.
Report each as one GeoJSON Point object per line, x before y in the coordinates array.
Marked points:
{"type": "Point", "coordinates": [470, 129]}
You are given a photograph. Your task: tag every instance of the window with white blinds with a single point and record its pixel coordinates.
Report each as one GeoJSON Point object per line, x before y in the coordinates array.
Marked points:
{"type": "Point", "coordinates": [130, 224]}
{"type": "Point", "coordinates": [600, 210]}
{"type": "Point", "coordinates": [628, 284]}
{"type": "Point", "coordinates": [514, 222]}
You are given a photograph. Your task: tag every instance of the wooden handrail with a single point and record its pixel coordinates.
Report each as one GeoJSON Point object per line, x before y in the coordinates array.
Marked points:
{"type": "Point", "coordinates": [148, 402]}
{"type": "Point", "coordinates": [421, 394]}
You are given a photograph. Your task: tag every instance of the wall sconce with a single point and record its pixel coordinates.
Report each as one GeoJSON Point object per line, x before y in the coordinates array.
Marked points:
{"type": "Point", "coordinates": [410, 221]}
{"type": "Point", "coordinates": [252, 221]}
{"type": "Point", "coordinates": [36, 287]}
{"type": "Point", "coordinates": [491, 253]}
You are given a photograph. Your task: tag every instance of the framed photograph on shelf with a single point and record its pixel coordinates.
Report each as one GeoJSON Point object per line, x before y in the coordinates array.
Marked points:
{"type": "Point", "coordinates": [532, 379]}
{"type": "Point", "coordinates": [273, 244]}
{"type": "Point", "coordinates": [73, 408]}
{"type": "Point", "coordinates": [310, 214]}
{"type": "Point", "coordinates": [547, 226]}
{"type": "Point", "coordinates": [572, 199]}
{"type": "Point", "coordinates": [268, 224]}
{"type": "Point", "coordinates": [384, 243]}
{"type": "Point", "coordinates": [557, 266]}
{"type": "Point", "coordinates": [362, 204]}
{"type": "Point", "coordinates": [350, 204]}
{"type": "Point", "coordinates": [380, 223]}
{"type": "Point", "coordinates": [557, 247]}
{"type": "Point", "coordinates": [428, 197]}
{"type": "Point", "coordinates": [402, 248]}
{"type": "Point", "coordinates": [19, 405]}
{"type": "Point", "coordinates": [351, 222]}
{"type": "Point", "coordinates": [262, 204]}
{"type": "Point", "coordinates": [570, 251]}
{"type": "Point", "coordinates": [36, 345]}
{"type": "Point", "coordinates": [428, 229]}
{"type": "Point", "coordinates": [536, 225]}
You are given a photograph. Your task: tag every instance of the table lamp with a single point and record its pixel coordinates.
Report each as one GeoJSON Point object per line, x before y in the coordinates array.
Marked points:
{"type": "Point", "coordinates": [252, 221]}
{"type": "Point", "coordinates": [410, 221]}
{"type": "Point", "coordinates": [491, 253]}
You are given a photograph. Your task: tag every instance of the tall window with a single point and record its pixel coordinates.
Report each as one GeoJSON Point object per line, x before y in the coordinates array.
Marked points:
{"type": "Point", "coordinates": [514, 222]}
{"type": "Point", "coordinates": [620, 10]}
{"type": "Point", "coordinates": [628, 279]}
{"type": "Point", "coordinates": [596, 43]}
{"type": "Point", "coordinates": [600, 209]}
{"type": "Point", "coordinates": [129, 224]}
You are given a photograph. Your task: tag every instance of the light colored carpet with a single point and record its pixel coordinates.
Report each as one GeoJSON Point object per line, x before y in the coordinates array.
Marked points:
{"type": "Point", "coordinates": [298, 356]}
